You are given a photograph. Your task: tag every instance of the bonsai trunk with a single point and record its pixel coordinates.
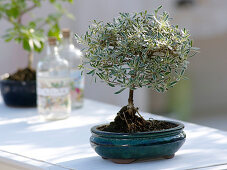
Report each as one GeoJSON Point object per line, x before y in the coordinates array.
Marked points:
{"type": "Point", "coordinates": [30, 59]}
{"type": "Point", "coordinates": [130, 99]}
{"type": "Point", "coordinates": [131, 108]}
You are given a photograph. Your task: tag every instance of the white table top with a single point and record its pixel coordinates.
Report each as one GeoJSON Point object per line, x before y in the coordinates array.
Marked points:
{"type": "Point", "coordinates": [66, 142]}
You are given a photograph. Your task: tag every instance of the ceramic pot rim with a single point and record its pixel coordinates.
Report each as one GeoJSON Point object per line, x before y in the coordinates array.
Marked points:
{"type": "Point", "coordinates": [179, 127]}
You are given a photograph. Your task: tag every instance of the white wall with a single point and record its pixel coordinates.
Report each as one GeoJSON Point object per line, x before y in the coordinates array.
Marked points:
{"type": "Point", "coordinates": [84, 11]}
{"type": "Point", "coordinates": [207, 23]}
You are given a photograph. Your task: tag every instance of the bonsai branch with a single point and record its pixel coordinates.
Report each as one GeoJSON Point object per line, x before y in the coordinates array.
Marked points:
{"type": "Point", "coordinates": [28, 9]}
{"type": "Point", "coordinates": [25, 11]}
{"type": "Point", "coordinates": [42, 25]}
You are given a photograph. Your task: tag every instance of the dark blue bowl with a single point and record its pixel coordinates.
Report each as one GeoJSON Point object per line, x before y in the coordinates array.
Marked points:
{"type": "Point", "coordinates": [18, 93]}
{"type": "Point", "coordinates": [141, 145]}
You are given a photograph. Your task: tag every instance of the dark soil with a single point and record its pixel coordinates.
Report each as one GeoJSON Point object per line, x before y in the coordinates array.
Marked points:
{"type": "Point", "coordinates": [26, 74]}
{"type": "Point", "coordinates": [127, 121]}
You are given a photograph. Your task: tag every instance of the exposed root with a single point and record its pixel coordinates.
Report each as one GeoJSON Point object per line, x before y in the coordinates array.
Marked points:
{"type": "Point", "coordinates": [127, 121]}
{"type": "Point", "coordinates": [140, 114]}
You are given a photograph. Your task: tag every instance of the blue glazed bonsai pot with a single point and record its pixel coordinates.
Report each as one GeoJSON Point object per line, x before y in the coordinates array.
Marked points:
{"type": "Point", "coordinates": [18, 93]}
{"type": "Point", "coordinates": [126, 148]}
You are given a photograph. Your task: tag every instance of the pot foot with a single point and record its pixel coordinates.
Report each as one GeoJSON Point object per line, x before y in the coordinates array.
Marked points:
{"type": "Point", "coordinates": [169, 156]}
{"type": "Point", "coordinates": [123, 161]}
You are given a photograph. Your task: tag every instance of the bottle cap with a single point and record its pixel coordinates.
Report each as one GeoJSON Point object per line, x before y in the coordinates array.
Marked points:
{"type": "Point", "coordinates": [52, 40]}
{"type": "Point", "coordinates": [66, 33]}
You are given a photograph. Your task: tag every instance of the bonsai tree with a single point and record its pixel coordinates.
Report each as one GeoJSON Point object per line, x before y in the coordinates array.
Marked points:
{"type": "Point", "coordinates": [134, 51]}
{"type": "Point", "coordinates": [30, 34]}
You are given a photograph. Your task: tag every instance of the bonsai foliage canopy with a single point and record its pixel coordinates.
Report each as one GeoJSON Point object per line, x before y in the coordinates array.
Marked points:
{"type": "Point", "coordinates": [137, 50]}
{"type": "Point", "coordinates": [31, 34]}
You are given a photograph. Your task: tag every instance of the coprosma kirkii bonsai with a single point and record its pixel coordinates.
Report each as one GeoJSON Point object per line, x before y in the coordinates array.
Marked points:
{"type": "Point", "coordinates": [30, 33]}
{"type": "Point", "coordinates": [134, 51]}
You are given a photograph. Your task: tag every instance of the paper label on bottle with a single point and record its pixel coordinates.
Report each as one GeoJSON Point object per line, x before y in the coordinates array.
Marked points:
{"type": "Point", "coordinates": [53, 94]}
{"type": "Point", "coordinates": [53, 91]}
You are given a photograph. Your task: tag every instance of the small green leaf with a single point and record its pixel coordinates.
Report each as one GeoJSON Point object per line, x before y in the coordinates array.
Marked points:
{"type": "Point", "coordinates": [111, 85]}
{"type": "Point", "coordinates": [182, 72]}
{"type": "Point", "coordinates": [120, 91]}
{"type": "Point", "coordinates": [172, 83]}
{"type": "Point", "coordinates": [91, 72]}
{"type": "Point", "coordinates": [26, 45]}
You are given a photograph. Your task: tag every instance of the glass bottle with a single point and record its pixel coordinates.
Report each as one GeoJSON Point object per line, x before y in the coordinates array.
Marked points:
{"type": "Point", "coordinates": [74, 56]}
{"type": "Point", "coordinates": [53, 85]}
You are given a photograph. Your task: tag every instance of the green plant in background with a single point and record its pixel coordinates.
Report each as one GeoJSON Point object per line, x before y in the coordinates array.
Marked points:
{"type": "Point", "coordinates": [31, 34]}
{"type": "Point", "coordinates": [137, 50]}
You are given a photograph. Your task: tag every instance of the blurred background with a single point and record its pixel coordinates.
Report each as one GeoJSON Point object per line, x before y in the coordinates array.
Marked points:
{"type": "Point", "coordinates": [202, 99]}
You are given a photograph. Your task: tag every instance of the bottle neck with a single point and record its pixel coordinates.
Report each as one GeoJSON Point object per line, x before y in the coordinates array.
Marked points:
{"type": "Point", "coordinates": [66, 41]}
{"type": "Point", "coordinates": [52, 51]}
